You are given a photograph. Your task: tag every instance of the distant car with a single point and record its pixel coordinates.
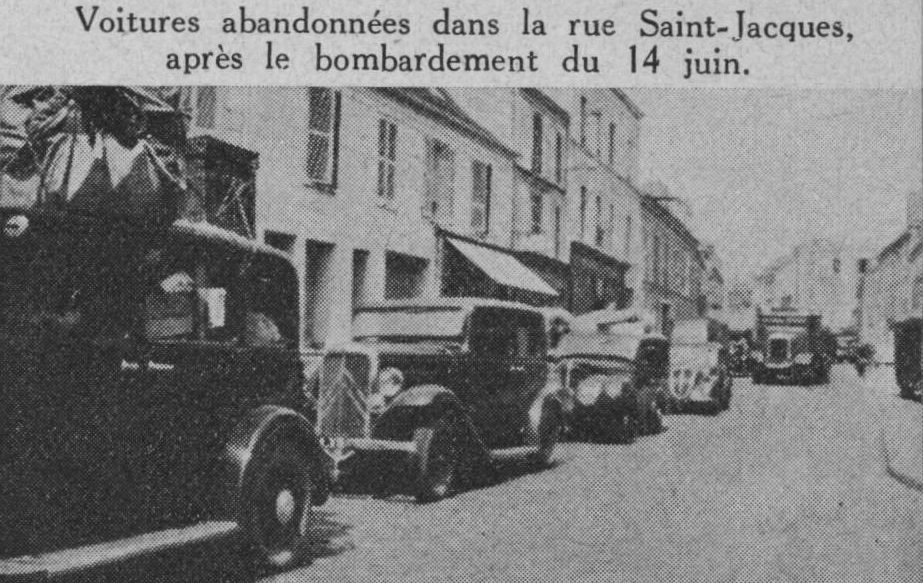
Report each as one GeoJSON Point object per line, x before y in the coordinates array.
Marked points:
{"type": "Point", "coordinates": [612, 385]}
{"type": "Point", "coordinates": [447, 385]}
{"type": "Point", "coordinates": [907, 354]}
{"type": "Point", "coordinates": [699, 374]}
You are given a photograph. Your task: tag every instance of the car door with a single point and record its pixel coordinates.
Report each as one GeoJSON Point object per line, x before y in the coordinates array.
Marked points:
{"type": "Point", "coordinates": [492, 371]}
{"type": "Point", "coordinates": [528, 366]}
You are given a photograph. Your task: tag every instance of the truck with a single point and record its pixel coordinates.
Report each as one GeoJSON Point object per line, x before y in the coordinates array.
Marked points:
{"type": "Point", "coordinates": [793, 347]}
{"type": "Point", "coordinates": [153, 390]}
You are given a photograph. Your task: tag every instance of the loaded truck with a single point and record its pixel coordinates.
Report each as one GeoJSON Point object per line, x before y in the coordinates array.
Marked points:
{"type": "Point", "coordinates": [791, 347]}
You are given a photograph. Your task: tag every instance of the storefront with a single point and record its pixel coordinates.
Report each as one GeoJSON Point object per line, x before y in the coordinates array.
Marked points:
{"type": "Point", "coordinates": [474, 269]}
{"type": "Point", "coordinates": [597, 280]}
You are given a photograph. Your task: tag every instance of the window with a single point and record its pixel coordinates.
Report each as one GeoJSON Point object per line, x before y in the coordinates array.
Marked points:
{"type": "Point", "coordinates": [536, 200]}
{"type": "Point", "coordinates": [583, 113]}
{"type": "Point", "coordinates": [387, 157]}
{"type": "Point", "coordinates": [611, 143]}
{"type": "Point", "coordinates": [597, 131]}
{"type": "Point", "coordinates": [201, 104]}
{"type": "Point", "coordinates": [656, 260]}
{"type": "Point", "coordinates": [537, 138]}
{"type": "Point", "coordinates": [599, 221]}
{"type": "Point", "coordinates": [558, 158]}
{"type": "Point", "coordinates": [627, 236]}
{"type": "Point", "coordinates": [440, 180]}
{"type": "Point", "coordinates": [323, 127]}
{"type": "Point", "coordinates": [480, 197]}
{"type": "Point", "coordinates": [611, 229]}
{"type": "Point", "coordinates": [557, 231]}
{"type": "Point", "coordinates": [582, 211]}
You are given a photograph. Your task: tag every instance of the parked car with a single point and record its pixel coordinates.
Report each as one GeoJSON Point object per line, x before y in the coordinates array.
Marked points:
{"type": "Point", "coordinates": [448, 384]}
{"type": "Point", "coordinates": [612, 385]}
{"type": "Point", "coordinates": [151, 384]}
{"type": "Point", "coordinates": [699, 374]}
{"type": "Point", "coordinates": [907, 353]}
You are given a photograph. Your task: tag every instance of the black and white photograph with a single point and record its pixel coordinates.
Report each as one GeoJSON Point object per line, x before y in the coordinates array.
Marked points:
{"type": "Point", "coordinates": [486, 334]}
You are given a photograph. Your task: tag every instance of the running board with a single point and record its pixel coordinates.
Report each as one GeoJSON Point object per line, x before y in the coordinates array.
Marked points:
{"type": "Point", "coordinates": [57, 563]}
{"type": "Point", "coordinates": [512, 453]}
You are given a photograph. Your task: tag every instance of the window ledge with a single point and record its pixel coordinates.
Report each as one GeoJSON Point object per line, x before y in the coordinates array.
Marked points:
{"type": "Point", "coordinates": [325, 188]}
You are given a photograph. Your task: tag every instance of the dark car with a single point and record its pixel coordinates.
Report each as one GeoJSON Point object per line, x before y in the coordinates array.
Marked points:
{"type": "Point", "coordinates": [612, 385]}
{"type": "Point", "coordinates": [151, 384]}
{"type": "Point", "coordinates": [447, 383]}
{"type": "Point", "coordinates": [908, 371]}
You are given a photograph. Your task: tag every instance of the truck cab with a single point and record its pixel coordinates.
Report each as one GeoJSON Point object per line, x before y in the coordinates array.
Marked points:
{"type": "Point", "coordinates": [151, 382]}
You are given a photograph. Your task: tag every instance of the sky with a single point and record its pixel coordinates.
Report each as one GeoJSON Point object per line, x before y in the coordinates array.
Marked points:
{"type": "Point", "coordinates": [763, 170]}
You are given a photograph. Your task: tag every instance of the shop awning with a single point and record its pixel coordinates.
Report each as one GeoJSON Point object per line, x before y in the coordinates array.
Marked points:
{"type": "Point", "coordinates": [503, 268]}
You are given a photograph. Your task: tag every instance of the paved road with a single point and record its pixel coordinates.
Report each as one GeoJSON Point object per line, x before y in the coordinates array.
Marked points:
{"type": "Point", "coordinates": [788, 485]}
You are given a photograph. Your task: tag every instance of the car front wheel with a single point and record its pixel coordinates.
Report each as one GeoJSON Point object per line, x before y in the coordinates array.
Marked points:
{"type": "Point", "coordinates": [438, 452]}
{"type": "Point", "coordinates": [276, 511]}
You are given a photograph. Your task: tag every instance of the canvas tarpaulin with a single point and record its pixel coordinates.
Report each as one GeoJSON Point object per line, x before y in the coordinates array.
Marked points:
{"type": "Point", "coordinates": [110, 151]}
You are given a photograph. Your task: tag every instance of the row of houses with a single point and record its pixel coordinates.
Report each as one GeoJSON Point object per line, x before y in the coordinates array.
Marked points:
{"type": "Point", "coordinates": [890, 287]}
{"type": "Point", "coordinates": [522, 194]}
{"type": "Point", "coordinates": [818, 276]}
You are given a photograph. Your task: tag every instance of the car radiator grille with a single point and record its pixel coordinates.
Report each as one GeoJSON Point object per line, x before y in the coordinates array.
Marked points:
{"type": "Point", "coordinates": [344, 385]}
{"type": "Point", "coordinates": [778, 350]}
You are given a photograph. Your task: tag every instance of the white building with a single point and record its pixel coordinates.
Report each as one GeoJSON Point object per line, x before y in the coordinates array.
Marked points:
{"type": "Point", "coordinates": [358, 184]}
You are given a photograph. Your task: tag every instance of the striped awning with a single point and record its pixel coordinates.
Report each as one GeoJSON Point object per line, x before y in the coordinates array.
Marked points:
{"type": "Point", "coordinates": [503, 268]}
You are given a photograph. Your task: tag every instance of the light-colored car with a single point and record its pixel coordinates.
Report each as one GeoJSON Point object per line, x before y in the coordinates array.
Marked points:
{"type": "Point", "coordinates": [699, 375]}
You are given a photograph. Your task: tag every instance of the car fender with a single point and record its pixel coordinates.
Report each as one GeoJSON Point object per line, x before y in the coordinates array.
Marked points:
{"type": "Point", "coordinates": [243, 440]}
{"type": "Point", "coordinates": [544, 400]}
{"type": "Point", "coordinates": [419, 405]}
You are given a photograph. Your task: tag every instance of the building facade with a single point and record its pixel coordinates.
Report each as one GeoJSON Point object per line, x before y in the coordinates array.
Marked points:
{"type": "Point", "coordinates": [818, 276]}
{"type": "Point", "coordinates": [366, 188]}
{"type": "Point", "coordinates": [674, 269]}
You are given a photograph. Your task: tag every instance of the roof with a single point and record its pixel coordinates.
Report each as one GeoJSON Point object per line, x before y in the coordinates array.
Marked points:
{"type": "Point", "coordinates": [621, 346]}
{"type": "Point", "coordinates": [895, 245]}
{"type": "Point", "coordinates": [652, 205]}
{"type": "Point", "coordinates": [436, 103]}
{"type": "Point", "coordinates": [460, 303]}
{"type": "Point", "coordinates": [210, 232]}
{"type": "Point", "coordinates": [632, 107]}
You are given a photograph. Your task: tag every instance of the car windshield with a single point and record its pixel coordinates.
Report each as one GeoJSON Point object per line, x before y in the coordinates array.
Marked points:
{"type": "Point", "coordinates": [409, 323]}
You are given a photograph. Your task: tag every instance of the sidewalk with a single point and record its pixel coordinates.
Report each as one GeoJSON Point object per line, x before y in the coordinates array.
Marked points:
{"type": "Point", "coordinates": [900, 426]}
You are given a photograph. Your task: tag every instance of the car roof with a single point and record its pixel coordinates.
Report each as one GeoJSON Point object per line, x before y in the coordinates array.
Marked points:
{"type": "Point", "coordinates": [595, 344]}
{"type": "Point", "coordinates": [463, 303]}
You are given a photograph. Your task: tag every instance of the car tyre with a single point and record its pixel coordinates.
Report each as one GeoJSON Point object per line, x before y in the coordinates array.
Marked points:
{"type": "Point", "coordinates": [652, 419]}
{"type": "Point", "coordinates": [549, 433]}
{"type": "Point", "coordinates": [276, 504]}
{"type": "Point", "coordinates": [438, 451]}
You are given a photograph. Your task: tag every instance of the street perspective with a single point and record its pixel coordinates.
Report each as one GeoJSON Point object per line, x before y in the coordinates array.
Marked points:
{"type": "Point", "coordinates": [495, 334]}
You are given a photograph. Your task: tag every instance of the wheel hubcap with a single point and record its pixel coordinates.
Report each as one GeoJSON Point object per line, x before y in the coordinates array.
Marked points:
{"type": "Point", "coordinates": [285, 506]}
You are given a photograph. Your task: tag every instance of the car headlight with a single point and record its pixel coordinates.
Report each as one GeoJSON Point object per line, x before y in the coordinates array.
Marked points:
{"type": "Point", "coordinates": [390, 382]}
{"type": "Point", "coordinates": [757, 356]}
{"type": "Point", "coordinates": [589, 390]}
{"type": "Point", "coordinates": [804, 358]}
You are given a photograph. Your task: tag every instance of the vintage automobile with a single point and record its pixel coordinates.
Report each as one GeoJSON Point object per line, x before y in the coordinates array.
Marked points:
{"type": "Point", "coordinates": [151, 394]}
{"type": "Point", "coordinates": [792, 346]}
{"type": "Point", "coordinates": [699, 376]}
{"type": "Point", "coordinates": [447, 385]}
{"type": "Point", "coordinates": [611, 384]}
{"type": "Point", "coordinates": [907, 357]}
